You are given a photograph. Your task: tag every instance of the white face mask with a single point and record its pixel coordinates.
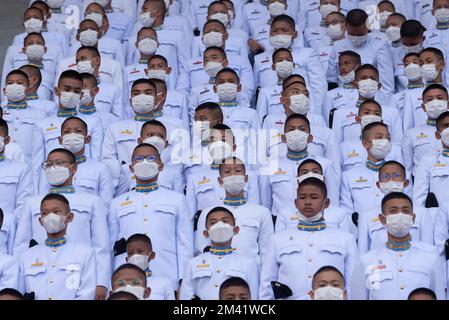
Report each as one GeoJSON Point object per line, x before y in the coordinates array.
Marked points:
{"type": "Point", "coordinates": [444, 137]}
{"type": "Point", "coordinates": [2, 144]}
{"type": "Point", "coordinates": [85, 67]}
{"type": "Point", "coordinates": [297, 140]}
{"type": "Point", "coordinates": [381, 148]}
{"type": "Point", "coordinates": [227, 91]}
{"type": "Point", "coordinates": [284, 68]}
{"type": "Point", "coordinates": [139, 260]}
{"type": "Point", "coordinates": [281, 41]}
{"type": "Point", "coordinates": [102, 3]}
{"type": "Point", "coordinates": [369, 118]}
{"type": "Point", "coordinates": [328, 293]}
{"type": "Point", "coordinates": [57, 175]}
{"type": "Point", "coordinates": [96, 17]}
{"type": "Point", "coordinates": [393, 33]}
{"type": "Point", "coordinates": [134, 290]}
{"type": "Point", "coordinates": [358, 41]}
{"type": "Point", "coordinates": [53, 223]}
{"type": "Point", "coordinates": [299, 103]}
{"type": "Point", "coordinates": [368, 88]}
{"type": "Point", "coordinates": [212, 68]}
{"type": "Point", "coordinates": [326, 9]}
{"type": "Point", "coordinates": [435, 107]}
{"type": "Point", "coordinates": [383, 16]}
{"type": "Point", "coordinates": [157, 74]}
{"type": "Point", "coordinates": [33, 25]}
{"type": "Point", "coordinates": [143, 103]}
{"type": "Point", "coordinates": [35, 52]}
{"type": "Point", "coordinates": [219, 150]}
{"type": "Point", "coordinates": [89, 37]}
{"type": "Point", "coordinates": [86, 97]}
{"type": "Point", "coordinates": [234, 184]}
{"type": "Point", "coordinates": [69, 100]}
{"type": "Point", "coordinates": [146, 19]}
{"type": "Point", "coordinates": [55, 4]}
{"type": "Point", "coordinates": [334, 31]}
{"type": "Point", "coordinates": [15, 92]}
{"type": "Point", "coordinates": [310, 175]}
{"type": "Point", "coordinates": [412, 49]}
{"type": "Point", "coordinates": [399, 224]}
{"type": "Point", "coordinates": [221, 232]}
{"type": "Point", "coordinates": [315, 218]}
{"type": "Point", "coordinates": [213, 39]}
{"type": "Point", "coordinates": [147, 46]}
{"type": "Point", "coordinates": [222, 17]}
{"type": "Point", "coordinates": [391, 186]}
{"type": "Point", "coordinates": [146, 170]}
{"type": "Point", "coordinates": [429, 72]}
{"type": "Point", "coordinates": [412, 72]}
{"type": "Point", "coordinates": [347, 78]}
{"type": "Point", "coordinates": [157, 142]}
{"type": "Point", "coordinates": [442, 15]}
{"type": "Point", "coordinates": [74, 142]}
{"type": "Point", "coordinates": [202, 128]}
{"type": "Point", "coordinates": [276, 9]}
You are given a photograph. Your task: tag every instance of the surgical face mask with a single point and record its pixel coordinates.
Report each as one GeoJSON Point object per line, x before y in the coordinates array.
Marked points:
{"type": "Point", "coordinates": [35, 52]}
{"type": "Point", "coordinates": [347, 78]}
{"type": "Point", "coordinates": [202, 128]}
{"type": "Point", "coordinates": [435, 107]}
{"type": "Point", "coordinates": [310, 175]}
{"type": "Point", "coordinates": [55, 4]}
{"type": "Point", "coordinates": [2, 144]}
{"type": "Point", "coordinates": [391, 186]}
{"type": "Point", "coordinates": [393, 33]}
{"type": "Point", "coordinates": [74, 142]}
{"type": "Point", "coordinates": [89, 37]}
{"type": "Point", "coordinates": [328, 293]}
{"type": "Point", "coordinates": [134, 290]}
{"type": "Point", "coordinates": [276, 9]}
{"type": "Point", "coordinates": [157, 74]}
{"type": "Point", "coordinates": [86, 97]}
{"type": "Point", "coordinates": [102, 3]}
{"type": "Point", "coordinates": [139, 260]}
{"type": "Point", "coordinates": [147, 46]}
{"type": "Point", "coordinates": [412, 49]}
{"type": "Point", "coordinates": [219, 150]}
{"type": "Point", "coordinates": [299, 103]}
{"type": "Point", "coordinates": [444, 137]}
{"type": "Point", "coordinates": [358, 41]}
{"type": "Point", "coordinates": [234, 184]}
{"type": "Point", "coordinates": [53, 223]}
{"type": "Point", "coordinates": [326, 9]}
{"type": "Point", "coordinates": [213, 39]}
{"type": "Point", "coordinates": [284, 68]}
{"type": "Point", "coordinates": [369, 118]}
{"type": "Point", "coordinates": [227, 91]}
{"type": "Point", "coordinates": [429, 72]}
{"type": "Point", "coordinates": [222, 17]}
{"type": "Point", "coordinates": [399, 224]}
{"type": "Point", "coordinates": [15, 92]}
{"type": "Point", "coordinates": [334, 31]}
{"type": "Point", "coordinates": [368, 88]}
{"type": "Point", "coordinates": [157, 142]}
{"type": "Point", "coordinates": [315, 218]}
{"type": "Point", "coordinates": [281, 41]}
{"type": "Point", "coordinates": [69, 100]}
{"type": "Point", "coordinates": [85, 67]}
{"type": "Point", "coordinates": [442, 15]}
{"type": "Point", "coordinates": [297, 140]}
{"type": "Point", "coordinates": [57, 175]}
{"type": "Point", "coordinates": [212, 68]}
{"type": "Point", "coordinates": [221, 232]}
{"type": "Point", "coordinates": [146, 19]}
{"type": "Point", "coordinates": [381, 148]}
{"type": "Point", "coordinates": [33, 25]}
{"type": "Point", "coordinates": [143, 103]}
{"type": "Point", "coordinates": [412, 72]}
{"type": "Point", "coordinates": [95, 16]}
{"type": "Point", "coordinates": [146, 170]}
{"type": "Point", "coordinates": [383, 16]}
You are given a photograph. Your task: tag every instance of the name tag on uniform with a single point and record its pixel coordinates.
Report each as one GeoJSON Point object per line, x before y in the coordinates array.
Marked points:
{"type": "Point", "coordinates": [338, 96]}
{"type": "Point", "coordinates": [135, 71]}
{"type": "Point", "coordinates": [265, 61]}
{"type": "Point", "coordinates": [279, 172]}
{"type": "Point", "coordinates": [203, 181]}
{"type": "Point", "coordinates": [433, 35]}
{"type": "Point", "coordinates": [37, 264]}
{"type": "Point", "coordinates": [353, 154]}
{"type": "Point", "coordinates": [197, 62]}
{"type": "Point", "coordinates": [51, 128]}
{"type": "Point", "coordinates": [126, 132]}
{"type": "Point", "coordinates": [375, 219]}
{"type": "Point", "coordinates": [293, 218]}
{"type": "Point", "coordinates": [422, 136]}
{"type": "Point", "coordinates": [378, 267]}
{"type": "Point", "coordinates": [439, 165]}
{"type": "Point", "coordinates": [203, 265]}
{"type": "Point", "coordinates": [351, 115]}
{"type": "Point", "coordinates": [72, 65]}
{"type": "Point", "coordinates": [125, 203]}
{"type": "Point", "coordinates": [361, 180]}
{"type": "Point", "coordinates": [205, 91]}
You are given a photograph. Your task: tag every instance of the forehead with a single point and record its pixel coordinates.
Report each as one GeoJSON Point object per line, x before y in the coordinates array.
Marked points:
{"type": "Point", "coordinates": [145, 150]}
{"type": "Point", "coordinates": [152, 128]}
{"type": "Point", "coordinates": [226, 75]}
{"type": "Point", "coordinates": [283, 54]}
{"type": "Point", "coordinates": [94, 7]}
{"type": "Point", "coordinates": [128, 273]}
{"type": "Point", "coordinates": [156, 61]}
{"type": "Point", "coordinates": [296, 122]}
{"type": "Point", "coordinates": [218, 6]}
{"type": "Point", "coordinates": [34, 37]}
{"type": "Point", "coordinates": [147, 32]}
{"type": "Point", "coordinates": [397, 203]}
{"type": "Point", "coordinates": [218, 133]}
{"type": "Point", "coordinates": [84, 53]}
{"type": "Point", "coordinates": [334, 16]}
{"type": "Point", "coordinates": [370, 106]}
{"type": "Point", "coordinates": [137, 244]}
{"type": "Point", "coordinates": [88, 24]}
{"type": "Point", "coordinates": [295, 86]}
{"type": "Point", "coordinates": [366, 72]}
{"type": "Point", "coordinates": [229, 163]}
{"type": "Point", "coordinates": [218, 215]}
{"type": "Point", "coordinates": [73, 123]}
{"type": "Point", "coordinates": [213, 52]}
{"type": "Point", "coordinates": [53, 203]}
{"type": "Point", "coordinates": [34, 11]}
{"type": "Point", "coordinates": [310, 189]}
{"type": "Point", "coordinates": [281, 24]}
{"type": "Point", "coordinates": [433, 92]}
{"type": "Point", "coordinates": [378, 129]}
{"type": "Point", "coordinates": [391, 168]}
{"type": "Point", "coordinates": [71, 82]}
{"type": "Point", "coordinates": [143, 86]}
{"type": "Point", "coordinates": [328, 275]}
{"type": "Point", "coordinates": [428, 55]}
{"type": "Point", "coordinates": [310, 166]}
{"type": "Point", "coordinates": [58, 156]}
{"type": "Point", "coordinates": [16, 77]}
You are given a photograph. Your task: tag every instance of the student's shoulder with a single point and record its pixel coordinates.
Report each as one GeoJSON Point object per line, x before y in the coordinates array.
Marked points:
{"type": "Point", "coordinates": [425, 248]}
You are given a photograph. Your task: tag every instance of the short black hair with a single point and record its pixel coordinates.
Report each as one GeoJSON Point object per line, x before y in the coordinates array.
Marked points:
{"type": "Point", "coordinates": [158, 56]}
{"type": "Point", "coordinates": [122, 295]}
{"type": "Point", "coordinates": [370, 126]}
{"type": "Point", "coordinates": [130, 266]}
{"type": "Point", "coordinates": [91, 49]}
{"type": "Point", "coordinates": [234, 282]}
{"type": "Point", "coordinates": [412, 29]}
{"type": "Point", "coordinates": [234, 160]}
{"type": "Point", "coordinates": [70, 74]}
{"type": "Point", "coordinates": [387, 2]}
{"type": "Point", "coordinates": [367, 66]}
{"type": "Point", "coordinates": [4, 126]}
{"type": "Point", "coordinates": [425, 291]}
{"type": "Point", "coordinates": [210, 21]}
{"type": "Point", "coordinates": [434, 86]}
{"type": "Point", "coordinates": [213, 107]}
{"type": "Point", "coordinates": [284, 18]}
{"type": "Point", "coordinates": [400, 15]}
{"type": "Point", "coordinates": [223, 127]}
{"type": "Point", "coordinates": [314, 182]}
{"type": "Point", "coordinates": [353, 55]}
{"type": "Point", "coordinates": [31, 71]}
{"type": "Point", "coordinates": [33, 8]}
{"type": "Point", "coordinates": [368, 101]}
{"type": "Point", "coordinates": [393, 163]}
{"type": "Point", "coordinates": [297, 116]}
{"type": "Point", "coordinates": [294, 75]}
{"type": "Point", "coordinates": [395, 195]}
{"type": "Point", "coordinates": [88, 21]}
{"type": "Point", "coordinates": [277, 51]}
{"type": "Point", "coordinates": [153, 122]}
{"type": "Point", "coordinates": [11, 292]}
{"type": "Point", "coordinates": [306, 162]}
{"type": "Point", "coordinates": [143, 81]}
{"type": "Point", "coordinates": [83, 123]}
{"type": "Point", "coordinates": [435, 51]}
{"type": "Point", "coordinates": [68, 153]}
{"type": "Point", "coordinates": [221, 50]}
{"type": "Point", "coordinates": [160, 84]}
{"type": "Point", "coordinates": [411, 54]}
{"type": "Point", "coordinates": [146, 28]}
{"type": "Point", "coordinates": [440, 118]}
{"type": "Point", "coordinates": [56, 196]}
{"type": "Point", "coordinates": [18, 73]}
{"type": "Point", "coordinates": [356, 17]}
{"type": "Point", "coordinates": [139, 237]}
{"type": "Point", "coordinates": [219, 209]}
{"type": "Point", "coordinates": [40, 2]}
{"type": "Point", "coordinates": [31, 34]}
{"type": "Point", "coordinates": [229, 70]}
{"type": "Point", "coordinates": [328, 268]}
{"type": "Point", "coordinates": [89, 77]}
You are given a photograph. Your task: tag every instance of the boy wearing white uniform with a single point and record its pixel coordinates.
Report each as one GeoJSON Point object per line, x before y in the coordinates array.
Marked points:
{"type": "Point", "coordinates": [328, 283]}
{"type": "Point", "coordinates": [59, 269]}
{"type": "Point", "coordinates": [9, 266]}
{"type": "Point", "coordinates": [204, 274]}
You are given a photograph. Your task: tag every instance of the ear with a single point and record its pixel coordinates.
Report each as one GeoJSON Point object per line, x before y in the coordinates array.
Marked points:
{"type": "Point", "coordinates": [225, 36]}
{"type": "Point", "coordinates": [131, 168]}
{"type": "Point", "coordinates": [57, 92]}
{"type": "Point", "coordinates": [206, 234]}
{"type": "Point", "coordinates": [220, 181]}
{"type": "Point", "coordinates": [23, 50]}
{"type": "Point", "coordinates": [296, 203]}
{"type": "Point", "coordinates": [284, 100]}
{"type": "Point", "coordinates": [406, 183]}
{"type": "Point", "coordinates": [345, 295]}
{"type": "Point", "coordinates": [382, 219]}
{"type": "Point", "coordinates": [273, 67]}
{"type": "Point", "coordinates": [310, 139]}
{"type": "Point", "coordinates": [40, 221]}
{"type": "Point", "coordinates": [45, 49]}
{"type": "Point", "coordinates": [78, 36]}
{"type": "Point", "coordinates": [357, 119]}
{"type": "Point", "coordinates": [169, 70]}
{"type": "Point", "coordinates": [246, 178]}
{"type": "Point", "coordinates": [70, 217]}
{"type": "Point", "coordinates": [239, 88]}
{"type": "Point", "coordinates": [355, 84]}
{"type": "Point", "coordinates": [74, 168]}
{"type": "Point", "coordinates": [326, 203]}
{"type": "Point", "coordinates": [161, 167]}
{"type": "Point", "coordinates": [312, 295]}
{"type": "Point", "coordinates": [414, 217]}
{"type": "Point", "coordinates": [234, 146]}
{"type": "Point", "coordinates": [147, 293]}
{"type": "Point", "coordinates": [365, 144]}
{"type": "Point", "coordinates": [378, 184]}
{"type": "Point", "coordinates": [139, 140]}
{"type": "Point", "coordinates": [166, 143]}
{"type": "Point", "coordinates": [95, 91]}
{"type": "Point", "coordinates": [146, 71]}
{"type": "Point", "coordinates": [380, 85]}
{"type": "Point", "coordinates": [225, 63]}
{"type": "Point", "coordinates": [236, 230]}
{"type": "Point", "coordinates": [423, 107]}
{"type": "Point", "coordinates": [152, 256]}
{"type": "Point", "coordinates": [283, 138]}
{"type": "Point", "coordinates": [6, 140]}
{"type": "Point", "coordinates": [437, 135]}
{"type": "Point", "coordinates": [215, 88]}
{"type": "Point", "coordinates": [87, 139]}
{"type": "Point", "coordinates": [60, 140]}
{"type": "Point", "coordinates": [295, 35]}
{"type": "Point", "coordinates": [136, 44]}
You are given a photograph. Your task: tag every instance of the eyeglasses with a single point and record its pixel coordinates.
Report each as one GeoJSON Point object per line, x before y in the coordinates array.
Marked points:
{"type": "Point", "coordinates": [140, 159]}
{"type": "Point", "coordinates": [394, 176]}
{"type": "Point", "coordinates": [56, 163]}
